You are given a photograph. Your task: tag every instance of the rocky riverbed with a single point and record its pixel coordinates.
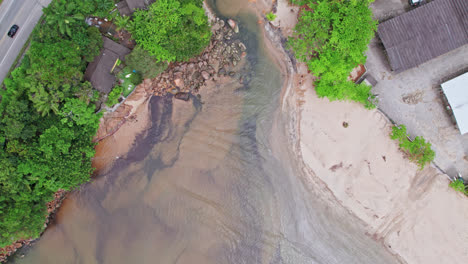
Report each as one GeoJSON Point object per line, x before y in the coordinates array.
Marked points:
{"type": "Point", "coordinates": [219, 59]}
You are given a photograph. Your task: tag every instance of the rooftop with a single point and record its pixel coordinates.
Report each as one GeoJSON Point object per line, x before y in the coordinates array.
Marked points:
{"type": "Point", "coordinates": [99, 71]}
{"type": "Point", "coordinates": [126, 7]}
{"type": "Point", "coordinates": [456, 92]}
{"type": "Point", "coordinates": [425, 33]}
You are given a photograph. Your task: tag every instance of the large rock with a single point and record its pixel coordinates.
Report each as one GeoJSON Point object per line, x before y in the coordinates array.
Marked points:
{"type": "Point", "coordinates": [179, 82]}
{"type": "Point", "coordinates": [233, 25]}
{"type": "Point", "coordinates": [182, 96]}
{"type": "Point", "coordinates": [205, 75]}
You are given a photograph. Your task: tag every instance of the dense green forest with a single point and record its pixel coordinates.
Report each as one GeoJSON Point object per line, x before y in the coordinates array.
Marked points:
{"type": "Point", "coordinates": [48, 117]}
{"type": "Point", "coordinates": [331, 37]}
{"type": "Point", "coordinates": [48, 112]}
{"type": "Point", "coordinates": [170, 30]}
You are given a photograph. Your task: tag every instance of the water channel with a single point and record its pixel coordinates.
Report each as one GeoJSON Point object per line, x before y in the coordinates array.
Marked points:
{"type": "Point", "coordinates": [211, 181]}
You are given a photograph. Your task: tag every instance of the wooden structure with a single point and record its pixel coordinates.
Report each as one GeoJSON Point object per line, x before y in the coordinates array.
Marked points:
{"type": "Point", "coordinates": [425, 33]}
{"type": "Point", "coordinates": [99, 71]}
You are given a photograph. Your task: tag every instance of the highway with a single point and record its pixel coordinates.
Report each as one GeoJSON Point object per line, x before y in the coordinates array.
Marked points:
{"type": "Point", "coordinates": [25, 14]}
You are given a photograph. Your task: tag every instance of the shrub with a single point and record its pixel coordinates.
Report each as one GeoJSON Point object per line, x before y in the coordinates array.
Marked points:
{"type": "Point", "coordinates": [331, 38]}
{"type": "Point", "coordinates": [459, 185]}
{"type": "Point", "coordinates": [114, 95]}
{"type": "Point", "coordinates": [144, 63]}
{"type": "Point", "coordinates": [270, 16]}
{"type": "Point", "coordinates": [135, 78]}
{"type": "Point", "coordinates": [418, 150]}
{"type": "Point", "coordinates": [172, 30]}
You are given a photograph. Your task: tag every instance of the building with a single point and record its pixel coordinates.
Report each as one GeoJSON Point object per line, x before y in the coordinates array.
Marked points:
{"type": "Point", "coordinates": [425, 33]}
{"type": "Point", "coordinates": [456, 93]}
{"type": "Point", "coordinates": [126, 7]}
{"type": "Point", "coordinates": [99, 72]}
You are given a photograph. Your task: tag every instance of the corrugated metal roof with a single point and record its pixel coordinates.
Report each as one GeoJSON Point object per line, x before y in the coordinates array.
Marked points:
{"type": "Point", "coordinates": [425, 33]}
{"type": "Point", "coordinates": [456, 92]}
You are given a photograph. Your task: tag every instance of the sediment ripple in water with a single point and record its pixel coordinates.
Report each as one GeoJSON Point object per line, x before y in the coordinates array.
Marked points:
{"type": "Point", "coordinates": [208, 183]}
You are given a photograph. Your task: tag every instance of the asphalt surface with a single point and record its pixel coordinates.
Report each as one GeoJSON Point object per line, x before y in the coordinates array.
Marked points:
{"type": "Point", "coordinates": [25, 14]}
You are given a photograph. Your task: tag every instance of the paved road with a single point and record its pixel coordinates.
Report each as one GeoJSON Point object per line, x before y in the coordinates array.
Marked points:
{"type": "Point", "coordinates": [24, 13]}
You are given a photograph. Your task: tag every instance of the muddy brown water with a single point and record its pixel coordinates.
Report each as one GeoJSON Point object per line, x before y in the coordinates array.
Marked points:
{"type": "Point", "coordinates": [211, 181]}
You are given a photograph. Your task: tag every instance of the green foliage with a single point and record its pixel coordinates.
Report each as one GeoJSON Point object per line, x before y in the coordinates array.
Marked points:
{"type": "Point", "coordinates": [122, 22]}
{"type": "Point", "coordinates": [38, 156]}
{"type": "Point", "coordinates": [399, 133]}
{"type": "Point", "coordinates": [270, 16]}
{"type": "Point", "coordinates": [418, 150]}
{"type": "Point", "coordinates": [94, 45]}
{"type": "Point", "coordinates": [130, 80]}
{"type": "Point", "coordinates": [47, 118]}
{"type": "Point", "coordinates": [331, 37]}
{"type": "Point", "coordinates": [459, 186]}
{"type": "Point", "coordinates": [101, 8]}
{"type": "Point", "coordinates": [172, 30]}
{"type": "Point", "coordinates": [145, 64]}
{"type": "Point", "coordinates": [64, 15]}
{"type": "Point", "coordinates": [136, 78]}
{"type": "Point", "coordinates": [114, 95]}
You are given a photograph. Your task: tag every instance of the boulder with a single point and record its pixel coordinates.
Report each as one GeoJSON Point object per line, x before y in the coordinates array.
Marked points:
{"type": "Point", "coordinates": [205, 75]}
{"type": "Point", "coordinates": [182, 96]}
{"type": "Point", "coordinates": [233, 25]}
{"type": "Point", "coordinates": [221, 71]}
{"type": "Point", "coordinates": [179, 82]}
{"type": "Point", "coordinates": [174, 90]}
{"type": "Point", "coordinates": [242, 46]}
{"type": "Point", "coordinates": [195, 75]}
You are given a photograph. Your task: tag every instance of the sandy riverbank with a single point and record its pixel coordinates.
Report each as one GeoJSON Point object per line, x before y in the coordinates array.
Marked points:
{"type": "Point", "coordinates": [119, 130]}
{"type": "Point", "coordinates": [413, 213]}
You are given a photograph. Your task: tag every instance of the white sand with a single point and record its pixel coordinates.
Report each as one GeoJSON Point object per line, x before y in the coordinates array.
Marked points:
{"type": "Point", "coordinates": [414, 213]}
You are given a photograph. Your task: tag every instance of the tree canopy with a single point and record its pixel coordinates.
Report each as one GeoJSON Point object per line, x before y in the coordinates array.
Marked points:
{"type": "Point", "coordinates": [144, 63]}
{"type": "Point", "coordinates": [47, 118]}
{"type": "Point", "coordinates": [171, 30]}
{"type": "Point", "coordinates": [331, 37]}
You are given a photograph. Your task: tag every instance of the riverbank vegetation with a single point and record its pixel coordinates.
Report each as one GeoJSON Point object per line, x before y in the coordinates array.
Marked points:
{"type": "Point", "coordinates": [171, 30]}
{"type": "Point", "coordinates": [418, 150]}
{"type": "Point", "coordinates": [144, 63]}
{"type": "Point", "coordinates": [48, 118]}
{"type": "Point", "coordinates": [331, 37]}
{"type": "Point", "coordinates": [459, 186]}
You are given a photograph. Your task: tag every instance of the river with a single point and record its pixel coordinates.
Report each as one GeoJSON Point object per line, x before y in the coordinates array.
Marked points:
{"type": "Point", "coordinates": [212, 181]}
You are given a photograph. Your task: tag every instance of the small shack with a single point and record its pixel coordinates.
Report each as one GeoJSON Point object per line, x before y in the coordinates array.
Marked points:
{"type": "Point", "coordinates": [126, 7]}
{"type": "Point", "coordinates": [456, 93]}
{"type": "Point", "coordinates": [99, 71]}
{"type": "Point", "coordinates": [425, 33]}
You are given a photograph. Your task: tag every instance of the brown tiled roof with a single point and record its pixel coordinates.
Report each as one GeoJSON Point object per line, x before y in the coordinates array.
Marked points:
{"type": "Point", "coordinates": [425, 33]}
{"type": "Point", "coordinates": [98, 71]}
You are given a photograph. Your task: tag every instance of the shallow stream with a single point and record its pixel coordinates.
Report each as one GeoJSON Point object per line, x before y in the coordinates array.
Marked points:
{"type": "Point", "coordinates": [211, 181]}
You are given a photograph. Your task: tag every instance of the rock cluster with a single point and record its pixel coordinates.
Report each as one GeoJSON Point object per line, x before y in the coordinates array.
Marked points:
{"type": "Point", "coordinates": [218, 59]}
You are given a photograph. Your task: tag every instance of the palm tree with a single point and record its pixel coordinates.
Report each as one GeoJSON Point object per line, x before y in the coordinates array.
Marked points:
{"type": "Point", "coordinates": [63, 15]}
